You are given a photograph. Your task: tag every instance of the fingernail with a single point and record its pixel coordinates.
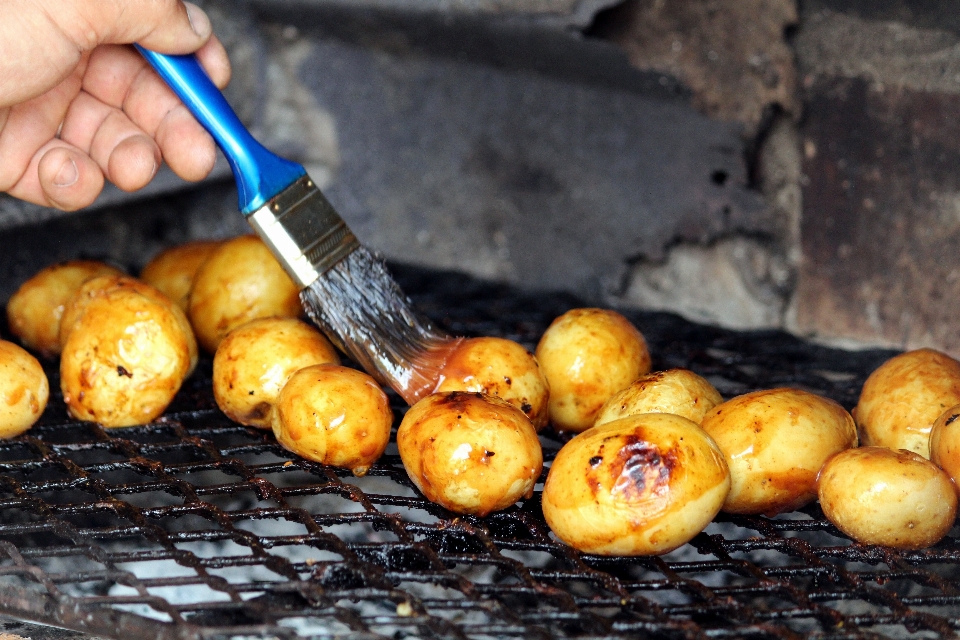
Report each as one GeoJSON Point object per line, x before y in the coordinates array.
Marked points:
{"type": "Point", "coordinates": [68, 175]}
{"type": "Point", "coordinates": [199, 21]}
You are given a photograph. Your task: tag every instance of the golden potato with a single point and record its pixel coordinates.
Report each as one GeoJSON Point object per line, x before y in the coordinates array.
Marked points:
{"type": "Point", "coordinates": [470, 452]}
{"type": "Point", "coordinates": [904, 396]}
{"type": "Point", "coordinates": [256, 359]}
{"type": "Point", "coordinates": [34, 311]}
{"type": "Point", "coordinates": [24, 390]}
{"type": "Point", "coordinates": [126, 355]}
{"type": "Point", "coordinates": [171, 271]}
{"type": "Point", "coordinates": [677, 391]}
{"type": "Point", "coordinates": [641, 485]}
{"type": "Point", "coordinates": [893, 498]}
{"type": "Point", "coordinates": [945, 443]}
{"type": "Point", "coordinates": [775, 442]}
{"type": "Point", "coordinates": [587, 356]}
{"type": "Point", "coordinates": [333, 415]}
{"type": "Point", "coordinates": [239, 282]}
{"type": "Point", "coordinates": [502, 368]}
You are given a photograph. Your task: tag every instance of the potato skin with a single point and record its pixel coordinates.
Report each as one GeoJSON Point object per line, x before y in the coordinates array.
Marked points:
{"type": "Point", "coordinates": [587, 356]}
{"type": "Point", "coordinates": [172, 270]}
{"type": "Point", "coordinates": [239, 282]}
{"type": "Point", "coordinates": [24, 390]}
{"type": "Point", "coordinates": [893, 498]}
{"type": "Point", "coordinates": [257, 358]}
{"type": "Point", "coordinates": [34, 311]}
{"type": "Point", "coordinates": [775, 442]}
{"type": "Point", "coordinates": [502, 368]}
{"type": "Point", "coordinates": [641, 485]}
{"type": "Point", "coordinates": [945, 443]}
{"type": "Point", "coordinates": [677, 391]}
{"type": "Point", "coordinates": [901, 400]}
{"type": "Point", "coordinates": [469, 452]}
{"type": "Point", "coordinates": [126, 355]}
{"type": "Point", "coordinates": [333, 415]}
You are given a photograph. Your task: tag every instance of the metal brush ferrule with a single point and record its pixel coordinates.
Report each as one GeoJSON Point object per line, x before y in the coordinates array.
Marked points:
{"type": "Point", "coordinates": [303, 231]}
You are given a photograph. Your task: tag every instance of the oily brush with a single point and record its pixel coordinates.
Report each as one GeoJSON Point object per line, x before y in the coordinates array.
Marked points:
{"type": "Point", "coordinates": [345, 290]}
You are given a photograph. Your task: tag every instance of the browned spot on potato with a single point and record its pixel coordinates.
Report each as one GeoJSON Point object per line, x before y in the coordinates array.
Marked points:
{"type": "Point", "coordinates": [14, 397]}
{"type": "Point", "coordinates": [641, 470]}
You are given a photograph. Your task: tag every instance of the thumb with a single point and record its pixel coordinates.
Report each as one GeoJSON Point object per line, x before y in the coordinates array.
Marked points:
{"type": "Point", "coordinates": [166, 26]}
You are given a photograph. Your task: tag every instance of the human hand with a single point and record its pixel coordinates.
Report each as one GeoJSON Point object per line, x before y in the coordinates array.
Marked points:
{"type": "Point", "coordinates": [77, 106]}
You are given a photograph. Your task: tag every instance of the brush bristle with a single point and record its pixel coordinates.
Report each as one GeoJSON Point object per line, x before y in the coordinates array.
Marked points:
{"type": "Point", "coordinates": [362, 309]}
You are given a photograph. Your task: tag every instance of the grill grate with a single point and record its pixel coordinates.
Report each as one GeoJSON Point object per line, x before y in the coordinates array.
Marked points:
{"type": "Point", "coordinates": [196, 527]}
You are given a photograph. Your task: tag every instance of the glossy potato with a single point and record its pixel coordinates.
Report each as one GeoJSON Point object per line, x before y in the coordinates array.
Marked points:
{"type": "Point", "coordinates": [172, 270]}
{"type": "Point", "coordinates": [502, 368]}
{"type": "Point", "coordinates": [125, 357]}
{"type": "Point", "coordinates": [893, 498]}
{"type": "Point", "coordinates": [904, 396]}
{"type": "Point", "coordinates": [333, 415]}
{"type": "Point", "coordinates": [587, 355]}
{"type": "Point", "coordinates": [256, 359]}
{"type": "Point", "coordinates": [641, 485]}
{"type": "Point", "coordinates": [775, 442]}
{"type": "Point", "coordinates": [239, 282]}
{"type": "Point", "coordinates": [34, 311]}
{"type": "Point", "coordinates": [24, 390]}
{"type": "Point", "coordinates": [677, 391]}
{"type": "Point", "coordinates": [469, 452]}
{"type": "Point", "coordinates": [945, 443]}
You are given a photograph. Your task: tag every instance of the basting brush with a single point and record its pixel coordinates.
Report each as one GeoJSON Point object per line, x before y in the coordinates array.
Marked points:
{"type": "Point", "coordinates": [345, 290]}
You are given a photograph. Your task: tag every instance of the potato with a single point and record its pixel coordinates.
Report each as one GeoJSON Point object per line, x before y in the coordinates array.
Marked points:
{"type": "Point", "coordinates": [34, 311]}
{"type": "Point", "coordinates": [256, 359]}
{"type": "Point", "coordinates": [172, 270]}
{"type": "Point", "coordinates": [677, 391]}
{"type": "Point", "coordinates": [640, 485]}
{"type": "Point", "coordinates": [24, 390]}
{"type": "Point", "coordinates": [239, 282]}
{"type": "Point", "coordinates": [945, 443]}
{"type": "Point", "coordinates": [775, 442]}
{"type": "Point", "coordinates": [893, 498]}
{"type": "Point", "coordinates": [333, 415]}
{"type": "Point", "coordinates": [126, 355]}
{"type": "Point", "coordinates": [904, 396]}
{"type": "Point", "coordinates": [469, 452]}
{"type": "Point", "coordinates": [587, 356]}
{"type": "Point", "coordinates": [501, 368]}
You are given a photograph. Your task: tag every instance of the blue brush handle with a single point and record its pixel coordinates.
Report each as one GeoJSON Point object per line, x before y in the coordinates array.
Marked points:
{"type": "Point", "coordinates": [260, 174]}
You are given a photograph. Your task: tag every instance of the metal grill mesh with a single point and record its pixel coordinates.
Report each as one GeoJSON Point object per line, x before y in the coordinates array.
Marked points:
{"type": "Point", "coordinates": [196, 527]}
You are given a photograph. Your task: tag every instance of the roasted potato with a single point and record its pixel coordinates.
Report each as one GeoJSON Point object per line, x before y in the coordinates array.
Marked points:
{"type": "Point", "coordinates": [34, 311]}
{"type": "Point", "coordinates": [893, 498]}
{"type": "Point", "coordinates": [24, 390]}
{"type": "Point", "coordinates": [126, 354]}
{"type": "Point", "coordinates": [904, 396]}
{"type": "Point", "coordinates": [587, 355]}
{"type": "Point", "coordinates": [469, 452]}
{"type": "Point", "coordinates": [775, 442]}
{"type": "Point", "coordinates": [640, 485]}
{"type": "Point", "coordinates": [172, 270]}
{"type": "Point", "coordinates": [945, 443]}
{"type": "Point", "coordinates": [239, 282]}
{"type": "Point", "coordinates": [677, 391]}
{"type": "Point", "coordinates": [333, 415]}
{"type": "Point", "coordinates": [502, 368]}
{"type": "Point", "coordinates": [256, 359]}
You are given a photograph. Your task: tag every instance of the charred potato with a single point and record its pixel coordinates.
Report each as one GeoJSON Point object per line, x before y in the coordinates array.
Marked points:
{"type": "Point", "coordinates": [893, 498]}
{"type": "Point", "coordinates": [469, 452]}
{"type": "Point", "coordinates": [239, 282]}
{"type": "Point", "coordinates": [587, 355]}
{"type": "Point", "coordinates": [945, 443]}
{"type": "Point", "coordinates": [333, 415]}
{"type": "Point", "coordinates": [904, 396]}
{"type": "Point", "coordinates": [775, 442]}
{"type": "Point", "coordinates": [641, 485]}
{"type": "Point", "coordinates": [256, 359]}
{"type": "Point", "coordinates": [34, 311]}
{"type": "Point", "coordinates": [24, 390]}
{"type": "Point", "coordinates": [171, 271]}
{"type": "Point", "coordinates": [677, 391]}
{"type": "Point", "coordinates": [126, 354]}
{"type": "Point", "coordinates": [501, 368]}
